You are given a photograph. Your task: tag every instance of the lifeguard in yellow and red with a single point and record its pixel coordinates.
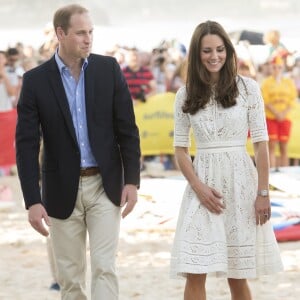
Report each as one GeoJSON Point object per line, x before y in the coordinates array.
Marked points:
{"type": "Point", "coordinates": [280, 95]}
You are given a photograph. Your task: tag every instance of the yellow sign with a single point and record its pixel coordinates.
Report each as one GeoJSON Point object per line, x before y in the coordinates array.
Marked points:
{"type": "Point", "coordinates": [155, 120]}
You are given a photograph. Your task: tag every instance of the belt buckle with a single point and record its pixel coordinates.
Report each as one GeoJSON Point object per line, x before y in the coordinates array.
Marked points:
{"type": "Point", "coordinates": [88, 171]}
{"type": "Point", "coordinates": [83, 171]}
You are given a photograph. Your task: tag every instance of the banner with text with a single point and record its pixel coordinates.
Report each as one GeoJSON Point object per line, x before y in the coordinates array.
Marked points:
{"type": "Point", "coordinates": [155, 120]}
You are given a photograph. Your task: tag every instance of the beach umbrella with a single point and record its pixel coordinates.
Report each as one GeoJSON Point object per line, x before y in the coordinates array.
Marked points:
{"type": "Point", "coordinates": [252, 37]}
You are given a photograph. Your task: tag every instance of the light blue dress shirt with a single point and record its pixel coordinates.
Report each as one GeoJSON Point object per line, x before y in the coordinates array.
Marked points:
{"type": "Point", "coordinates": [76, 98]}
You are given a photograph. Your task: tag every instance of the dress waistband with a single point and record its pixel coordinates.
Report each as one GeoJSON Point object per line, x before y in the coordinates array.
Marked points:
{"type": "Point", "coordinates": [220, 149]}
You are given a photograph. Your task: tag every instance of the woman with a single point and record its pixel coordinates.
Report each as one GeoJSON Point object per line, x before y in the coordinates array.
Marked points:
{"type": "Point", "coordinates": [179, 76]}
{"type": "Point", "coordinates": [7, 90]}
{"type": "Point", "coordinates": [223, 226]}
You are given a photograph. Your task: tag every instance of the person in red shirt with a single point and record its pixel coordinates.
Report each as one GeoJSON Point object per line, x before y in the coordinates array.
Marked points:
{"type": "Point", "coordinates": [139, 78]}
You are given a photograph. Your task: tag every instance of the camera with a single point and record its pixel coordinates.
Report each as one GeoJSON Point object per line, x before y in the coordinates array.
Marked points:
{"type": "Point", "coordinates": [160, 60]}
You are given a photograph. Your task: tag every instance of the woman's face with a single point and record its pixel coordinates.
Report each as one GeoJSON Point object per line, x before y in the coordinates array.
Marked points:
{"type": "Point", "coordinates": [213, 54]}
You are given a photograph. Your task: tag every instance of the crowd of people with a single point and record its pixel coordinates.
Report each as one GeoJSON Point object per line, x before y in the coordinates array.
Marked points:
{"type": "Point", "coordinates": [164, 70]}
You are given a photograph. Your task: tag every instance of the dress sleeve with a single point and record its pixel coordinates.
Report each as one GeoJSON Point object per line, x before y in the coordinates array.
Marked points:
{"type": "Point", "coordinates": [256, 113]}
{"type": "Point", "coordinates": [181, 121]}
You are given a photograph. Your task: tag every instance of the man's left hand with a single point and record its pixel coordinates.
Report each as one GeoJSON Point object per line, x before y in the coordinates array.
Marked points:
{"type": "Point", "coordinates": [129, 198]}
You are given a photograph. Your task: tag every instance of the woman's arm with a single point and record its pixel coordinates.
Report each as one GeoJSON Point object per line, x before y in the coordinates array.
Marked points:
{"type": "Point", "coordinates": [208, 196]}
{"type": "Point", "coordinates": [262, 203]}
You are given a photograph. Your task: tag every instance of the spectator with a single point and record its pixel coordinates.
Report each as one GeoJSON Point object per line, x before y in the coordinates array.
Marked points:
{"type": "Point", "coordinates": [276, 47]}
{"type": "Point", "coordinates": [246, 68]}
{"type": "Point", "coordinates": [179, 76]}
{"type": "Point", "coordinates": [7, 90]}
{"type": "Point", "coordinates": [280, 94]}
{"type": "Point", "coordinates": [14, 72]}
{"type": "Point", "coordinates": [139, 78]}
{"type": "Point", "coordinates": [47, 49]}
{"type": "Point", "coordinates": [161, 69]}
{"type": "Point", "coordinates": [263, 71]}
{"type": "Point", "coordinates": [295, 74]}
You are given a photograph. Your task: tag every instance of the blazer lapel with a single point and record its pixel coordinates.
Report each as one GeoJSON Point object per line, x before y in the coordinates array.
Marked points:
{"type": "Point", "coordinates": [61, 97]}
{"type": "Point", "coordinates": [89, 89]}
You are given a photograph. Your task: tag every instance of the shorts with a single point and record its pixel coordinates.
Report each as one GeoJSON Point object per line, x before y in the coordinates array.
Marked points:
{"type": "Point", "coordinates": [279, 131]}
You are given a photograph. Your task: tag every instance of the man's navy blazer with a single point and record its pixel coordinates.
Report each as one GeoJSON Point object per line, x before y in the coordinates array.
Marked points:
{"type": "Point", "coordinates": [112, 131]}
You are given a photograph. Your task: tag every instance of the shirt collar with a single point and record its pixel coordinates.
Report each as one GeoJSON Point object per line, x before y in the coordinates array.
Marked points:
{"type": "Point", "coordinates": [62, 66]}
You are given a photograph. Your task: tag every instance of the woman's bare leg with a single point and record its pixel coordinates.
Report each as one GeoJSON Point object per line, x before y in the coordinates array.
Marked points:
{"type": "Point", "coordinates": [239, 289]}
{"type": "Point", "coordinates": [195, 287]}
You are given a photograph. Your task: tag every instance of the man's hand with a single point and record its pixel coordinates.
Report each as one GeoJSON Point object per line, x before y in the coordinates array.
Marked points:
{"type": "Point", "coordinates": [280, 116]}
{"type": "Point", "coordinates": [36, 214]}
{"type": "Point", "coordinates": [129, 196]}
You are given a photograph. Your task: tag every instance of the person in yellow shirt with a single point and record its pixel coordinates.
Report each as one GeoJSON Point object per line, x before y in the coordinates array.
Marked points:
{"type": "Point", "coordinates": [280, 94]}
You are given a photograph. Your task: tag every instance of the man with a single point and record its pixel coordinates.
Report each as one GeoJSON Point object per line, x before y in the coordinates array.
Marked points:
{"type": "Point", "coordinates": [82, 105]}
{"type": "Point", "coordinates": [140, 79]}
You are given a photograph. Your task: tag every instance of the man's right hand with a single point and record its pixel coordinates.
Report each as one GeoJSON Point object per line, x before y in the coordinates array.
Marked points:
{"type": "Point", "coordinates": [36, 214]}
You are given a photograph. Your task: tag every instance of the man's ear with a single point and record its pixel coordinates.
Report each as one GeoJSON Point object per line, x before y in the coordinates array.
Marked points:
{"type": "Point", "coordinates": [60, 33]}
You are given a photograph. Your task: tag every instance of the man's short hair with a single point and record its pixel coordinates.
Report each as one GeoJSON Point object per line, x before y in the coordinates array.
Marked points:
{"type": "Point", "coordinates": [63, 15]}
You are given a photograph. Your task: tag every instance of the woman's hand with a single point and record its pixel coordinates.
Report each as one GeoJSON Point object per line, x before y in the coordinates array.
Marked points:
{"type": "Point", "coordinates": [262, 210]}
{"type": "Point", "coordinates": [210, 198]}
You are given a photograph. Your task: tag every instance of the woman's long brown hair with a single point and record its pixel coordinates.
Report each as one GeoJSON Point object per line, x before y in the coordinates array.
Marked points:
{"type": "Point", "coordinates": [198, 84]}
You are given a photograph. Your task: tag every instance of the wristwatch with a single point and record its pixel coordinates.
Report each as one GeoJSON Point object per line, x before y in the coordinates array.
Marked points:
{"type": "Point", "coordinates": [263, 193]}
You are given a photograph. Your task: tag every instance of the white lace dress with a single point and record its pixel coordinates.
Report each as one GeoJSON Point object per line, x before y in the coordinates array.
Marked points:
{"type": "Point", "coordinates": [229, 245]}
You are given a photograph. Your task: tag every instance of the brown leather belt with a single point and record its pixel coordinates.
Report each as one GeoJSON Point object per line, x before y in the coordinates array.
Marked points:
{"type": "Point", "coordinates": [89, 171]}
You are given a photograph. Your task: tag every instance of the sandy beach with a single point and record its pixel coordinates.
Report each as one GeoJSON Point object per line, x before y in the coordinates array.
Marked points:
{"type": "Point", "coordinates": [143, 257]}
